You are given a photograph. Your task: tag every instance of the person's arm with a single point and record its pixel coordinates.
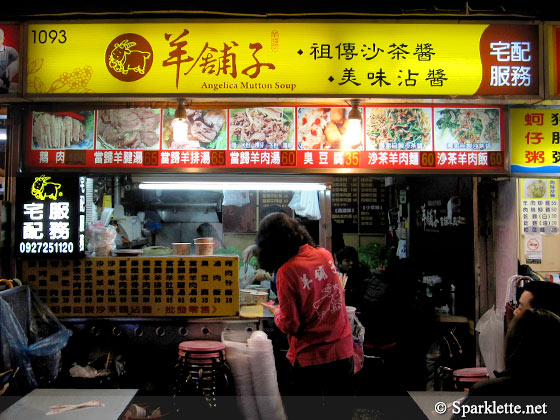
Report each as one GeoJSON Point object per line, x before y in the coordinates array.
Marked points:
{"type": "Point", "coordinates": [287, 318]}
{"type": "Point", "coordinates": [248, 253]}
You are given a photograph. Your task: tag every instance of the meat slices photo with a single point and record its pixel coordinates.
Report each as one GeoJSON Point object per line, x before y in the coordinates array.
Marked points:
{"type": "Point", "coordinates": [129, 128]}
{"type": "Point", "coordinates": [62, 130]}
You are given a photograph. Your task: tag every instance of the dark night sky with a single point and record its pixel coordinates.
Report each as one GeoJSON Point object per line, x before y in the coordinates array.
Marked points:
{"type": "Point", "coordinates": [535, 9]}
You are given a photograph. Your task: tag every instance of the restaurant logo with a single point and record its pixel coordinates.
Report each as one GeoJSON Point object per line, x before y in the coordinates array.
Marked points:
{"type": "Point", "coordinates": [129, 57]}
{"type": "Point", "coordinates": [42, 188]}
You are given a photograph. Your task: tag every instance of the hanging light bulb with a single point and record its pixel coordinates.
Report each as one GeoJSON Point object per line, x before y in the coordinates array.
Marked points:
{"type": "Point", "coordinates": [353, 137]}
{"type": "Point", "coordinates": [180, 112]}
{"type": "Point", "coordinates": [179, 123]}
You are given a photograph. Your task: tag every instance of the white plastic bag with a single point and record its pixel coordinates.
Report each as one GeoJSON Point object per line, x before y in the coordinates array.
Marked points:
{"type": "Point", "coordinates": [306, 204]}
{"type": "Point", "coordinates": [491, 340]}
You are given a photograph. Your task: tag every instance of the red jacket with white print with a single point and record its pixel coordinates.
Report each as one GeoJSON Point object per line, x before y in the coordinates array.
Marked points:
{"type": "Point", "coordinates": [312, 310]}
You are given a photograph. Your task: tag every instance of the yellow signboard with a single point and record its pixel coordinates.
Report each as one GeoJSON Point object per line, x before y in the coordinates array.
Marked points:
{"type": "Point", "coordinates": [138, 287]}
{"type": "Point", "coordinates": [535, 140]}
{"type": "Point", "coordinates": [281, 58]}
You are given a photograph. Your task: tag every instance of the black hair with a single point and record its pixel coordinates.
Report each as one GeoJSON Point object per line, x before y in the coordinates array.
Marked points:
{"type": "Point", "coordinates": [348, 253]}
{"type": "Point", "coordinates": [546, 295]}
{"type": "Point", "coordinates": [532, 344]}
{"type": "Point", "coordinates": [206, 230]}
{"type": "Point", "coordinates": [279, 239]}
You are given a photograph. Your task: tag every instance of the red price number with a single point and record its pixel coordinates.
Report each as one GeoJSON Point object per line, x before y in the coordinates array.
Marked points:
{"type": "Point", "coordinates": [218, 157]}
{"type": "Point", "coordinates": [496, 159]}
{"type": "Point", "coordinates": [150, 158]}
{"type": "Point", "coordinates": [352, 159]}
{"type": "Point", "coordinates": [288, 158]}
{"type": "Point", "coordinates": [427, 159]}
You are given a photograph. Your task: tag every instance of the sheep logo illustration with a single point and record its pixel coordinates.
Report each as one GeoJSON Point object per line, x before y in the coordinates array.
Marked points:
{"type": "Point", "coordinates": [42, 188]}
{"type": "Point", "coordinates": [129, 57]}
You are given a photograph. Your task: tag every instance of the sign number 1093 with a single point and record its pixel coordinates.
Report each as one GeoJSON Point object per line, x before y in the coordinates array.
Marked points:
{"type": "Point", "coordinates": [43, 36]}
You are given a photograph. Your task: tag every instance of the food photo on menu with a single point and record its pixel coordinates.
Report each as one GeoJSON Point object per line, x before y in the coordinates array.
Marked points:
{"type": "Point", "coordinates": [128, 128]}
{"type": "Point", "coordinates": [391, 128]}
{"type": "Point", "coordinates": [535, 188]}
{"type": "Point", "coordinates": [269, 128]}
{"type": "Point", "coordinates": [202, 129]}
{"type": "Point", "coordinates": [467, 129]}
{"type": "Point", "coordinates": [63, 130]}
{"type": "Point", "coordinates": [326, 129]}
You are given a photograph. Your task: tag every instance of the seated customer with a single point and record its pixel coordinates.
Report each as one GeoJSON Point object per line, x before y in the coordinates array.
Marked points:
{"type": "Point", "coordinates": [348, 263]}
{"type": "Point", "coordinates": [539, 294]}
{"type": "Point", "coordinates": [532, 367]}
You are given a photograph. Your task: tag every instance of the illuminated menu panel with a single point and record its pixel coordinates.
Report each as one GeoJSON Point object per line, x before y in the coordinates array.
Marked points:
{"type": "Point", "coordinates": [51, 216]}
{"type": "Point", "coordinates": [139, 287]}
{"type": "Point", "coordinates": [277, 139]}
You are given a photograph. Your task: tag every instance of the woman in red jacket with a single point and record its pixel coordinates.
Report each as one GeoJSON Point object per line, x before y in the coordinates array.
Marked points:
{"type": "Point", "coordinates": [312, 312]}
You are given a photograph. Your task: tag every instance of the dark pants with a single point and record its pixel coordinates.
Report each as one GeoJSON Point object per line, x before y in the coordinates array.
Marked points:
{"type": "Point", "coordinates": [322, 391]}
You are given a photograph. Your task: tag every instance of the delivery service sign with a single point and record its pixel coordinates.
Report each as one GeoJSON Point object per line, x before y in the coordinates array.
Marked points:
{"type": "Point", "coordinates": [282, 59]}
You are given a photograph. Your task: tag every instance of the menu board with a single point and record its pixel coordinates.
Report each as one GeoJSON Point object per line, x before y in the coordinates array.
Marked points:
{"type": "Point", "coordinates": [359, 205]}
{"type": "Point", "coordinates": [373, 206]}
{"type": "Point", "coordinates": [279, 139]}
{"type": "Point", "coordinates": [137, 287]}
{"type": "Point", "coordinates": [539, 206]}
{"type": "Point", "coordinates": [268, 199]}
{"type": "Point", "coordinates": [345, 203]}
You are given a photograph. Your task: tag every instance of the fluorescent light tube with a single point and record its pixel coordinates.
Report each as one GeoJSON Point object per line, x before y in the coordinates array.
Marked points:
{"type": "Point", "coordinates": [239, 186]}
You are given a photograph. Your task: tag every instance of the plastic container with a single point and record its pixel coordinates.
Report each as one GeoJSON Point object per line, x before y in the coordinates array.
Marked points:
{"type": "Point", "coordinates": [246, 297]}
{"type": "Point", "coordinates": [204, 246]}
{"type": "Point", "coordinates": [181, 248]}
{"type": "Point", "coordinates": [351, 311]}
{"type": "Point", "coordinates": [261, 297]}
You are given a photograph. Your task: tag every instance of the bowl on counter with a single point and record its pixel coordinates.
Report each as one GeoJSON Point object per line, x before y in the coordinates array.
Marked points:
{"type": "Point", "coordinates": [204, 246]}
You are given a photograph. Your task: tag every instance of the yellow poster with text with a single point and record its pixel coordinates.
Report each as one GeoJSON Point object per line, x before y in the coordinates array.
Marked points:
{"type": "Point", "coordinates": [236, 58]}
{"type": "Point", "coordinates": [535, 140]}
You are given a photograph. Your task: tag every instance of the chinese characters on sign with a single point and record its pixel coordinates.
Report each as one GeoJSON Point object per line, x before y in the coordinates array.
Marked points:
{"type": "Point", "coordinates": [345, 203]}
{"type": "Point", "coordinates": [213, 60]}
{"type": "Point", "coordinates": [513, 59]}
{"type": "Point", "coordinates": [535, 144]}
{"type": "Point", "coordinates": [281, 138]}
{"type": "Point", "coordinates": [51, 220]}
{"type": "Point", "coordinates": [539, 206]}
{"type": "Point", "coordinates": [283, 58]}
{"type": "Point", "coordinates": [137, 287]}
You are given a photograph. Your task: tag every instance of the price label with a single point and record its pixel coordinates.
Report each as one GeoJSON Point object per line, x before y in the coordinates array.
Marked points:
{"type": "Point", "coordinates": [218, 157]}
{"type": "Point", "coordinates": [150, 158]}
{"type": "Point", "coordinates": [288, 158]}
{"type": "Point", "coordinates": [352, 159]}
{"type": "Point", "coordinates": [496, 159]}
{"type": "Point", "coordinates": [427, 159]}
{"type": "Point", "coordinates": [75, 157]}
